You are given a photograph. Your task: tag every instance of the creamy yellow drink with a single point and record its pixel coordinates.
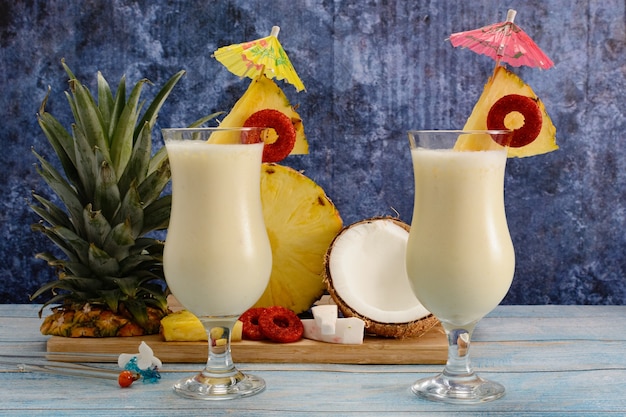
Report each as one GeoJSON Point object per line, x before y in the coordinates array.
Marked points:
{"type": "Point", "coordinates": [460, 258]}
{"type": "Point", "coordinates": [217, 256]}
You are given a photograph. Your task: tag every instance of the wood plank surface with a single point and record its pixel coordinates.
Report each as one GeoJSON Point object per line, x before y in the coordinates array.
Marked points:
{"type": "Point", "coordinates": [430, 348]}
{"type": "Point", "coordinates": [553, 361]}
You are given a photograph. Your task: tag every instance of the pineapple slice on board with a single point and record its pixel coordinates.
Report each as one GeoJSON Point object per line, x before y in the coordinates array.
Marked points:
{"type": "Point", "coordinates": [301, 222]}
{"type": "Point", "coordinates": [502, 83]}
{"type": "Point", "coordinates": [263, 93]}
{"type": "Point", "coordinates": [183, 326]}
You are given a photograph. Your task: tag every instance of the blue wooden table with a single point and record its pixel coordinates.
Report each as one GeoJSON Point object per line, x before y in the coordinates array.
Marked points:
{"type": "Point", "coordinates": [553, 360]}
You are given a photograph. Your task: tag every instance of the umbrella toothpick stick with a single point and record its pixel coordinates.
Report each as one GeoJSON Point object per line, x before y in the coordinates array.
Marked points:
{"type": "Point", "coordinates": [510, 18]}
{"type": "Point", "coordinates": [274, 32]}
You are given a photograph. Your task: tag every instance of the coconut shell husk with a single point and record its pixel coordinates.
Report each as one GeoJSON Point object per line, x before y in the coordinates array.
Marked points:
{"type": "Point", "coordinates": [390, 330]}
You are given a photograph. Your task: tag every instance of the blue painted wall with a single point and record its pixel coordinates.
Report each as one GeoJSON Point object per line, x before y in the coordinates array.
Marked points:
{"type": "Point", "coordinates": [373, 70]}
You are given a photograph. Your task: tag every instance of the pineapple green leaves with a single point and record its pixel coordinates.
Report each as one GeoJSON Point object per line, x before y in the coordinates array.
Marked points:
{"type": "Point", "coordinates": [110, 188]}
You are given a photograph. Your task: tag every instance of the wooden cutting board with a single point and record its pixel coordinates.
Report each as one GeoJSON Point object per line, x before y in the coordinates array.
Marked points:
{"type": "Point", "coordinates": [430, 348]}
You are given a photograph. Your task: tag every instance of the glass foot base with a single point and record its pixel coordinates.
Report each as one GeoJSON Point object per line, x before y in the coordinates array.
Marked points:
{"type": "Point", "coordinates": [471, 390]}
{"type": "Point", "coordinates": [202, 387]}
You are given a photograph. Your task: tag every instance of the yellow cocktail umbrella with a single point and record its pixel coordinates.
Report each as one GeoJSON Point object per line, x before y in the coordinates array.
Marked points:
{"type": "Point", "coordinates": [265, 55]}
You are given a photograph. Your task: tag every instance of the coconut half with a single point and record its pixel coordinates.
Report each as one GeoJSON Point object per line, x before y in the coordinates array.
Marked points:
{"type": "Point", "coordinates": [365, 274]}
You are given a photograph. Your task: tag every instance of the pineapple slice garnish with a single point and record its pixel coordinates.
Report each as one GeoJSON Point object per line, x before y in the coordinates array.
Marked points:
{"type": "Point", "coordinates": [502, 83]}
{"type": "Point", "coordinates": [263, 93]}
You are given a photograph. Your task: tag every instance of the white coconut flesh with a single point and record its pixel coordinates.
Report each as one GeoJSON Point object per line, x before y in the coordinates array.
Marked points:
{"type": "Point", "coordinates": [366, 264]}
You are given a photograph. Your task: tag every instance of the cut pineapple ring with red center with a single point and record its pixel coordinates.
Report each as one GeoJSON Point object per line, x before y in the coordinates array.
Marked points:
{"type": "Point", "coordinates": [518, 113]}
{"type": "Point", "coordinates": [283, 137]}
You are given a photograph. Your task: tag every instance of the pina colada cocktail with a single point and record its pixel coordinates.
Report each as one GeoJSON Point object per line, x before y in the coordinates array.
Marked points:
{"type": "Point", "coordinates": [459, 258]}
{"type": "Point", "coordinates": [462, 259]}
{"type": "Point", "coordinates": [217, 258]}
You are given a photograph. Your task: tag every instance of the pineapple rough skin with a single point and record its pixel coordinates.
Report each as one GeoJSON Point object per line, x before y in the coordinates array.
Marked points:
{"type": "Point", "coordinates": [92, 321]}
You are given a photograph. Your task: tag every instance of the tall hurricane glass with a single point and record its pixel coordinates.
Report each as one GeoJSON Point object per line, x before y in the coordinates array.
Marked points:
{"type": "Point", "coordinates": [217, 258]}
{"type": "Point", "coordinates": [460, 258]}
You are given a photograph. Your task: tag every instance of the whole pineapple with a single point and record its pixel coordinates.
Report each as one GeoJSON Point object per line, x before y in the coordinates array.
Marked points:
{"type": "Point", "coordinates": [110, 279]}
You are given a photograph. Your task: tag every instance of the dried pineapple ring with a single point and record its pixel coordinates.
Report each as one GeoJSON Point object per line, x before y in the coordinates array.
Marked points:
{"type": "Point", "coordinates": [250, 320]}
{"type": "Point", "coordinates": [270, 118]}
{"type": "Point", "coordinates": [280, 324]}
{"type": "Point", "coordinates": [528, 108]}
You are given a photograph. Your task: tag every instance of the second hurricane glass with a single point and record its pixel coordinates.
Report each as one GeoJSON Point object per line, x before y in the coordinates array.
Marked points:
{"type": "Point", "coordinates": [460, 258]}
{"type": "Point", "coordinates": [217, 258]}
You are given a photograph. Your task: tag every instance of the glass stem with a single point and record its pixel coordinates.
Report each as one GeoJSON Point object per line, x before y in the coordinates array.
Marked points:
{"type": "Point", "coordinates": [459, 365]}
{"type": "Point", "coordinates": [220, 362]}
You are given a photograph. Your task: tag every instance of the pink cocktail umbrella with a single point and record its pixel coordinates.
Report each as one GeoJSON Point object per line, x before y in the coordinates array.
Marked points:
{"type": "Point", "coordinates": [504, 42]}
